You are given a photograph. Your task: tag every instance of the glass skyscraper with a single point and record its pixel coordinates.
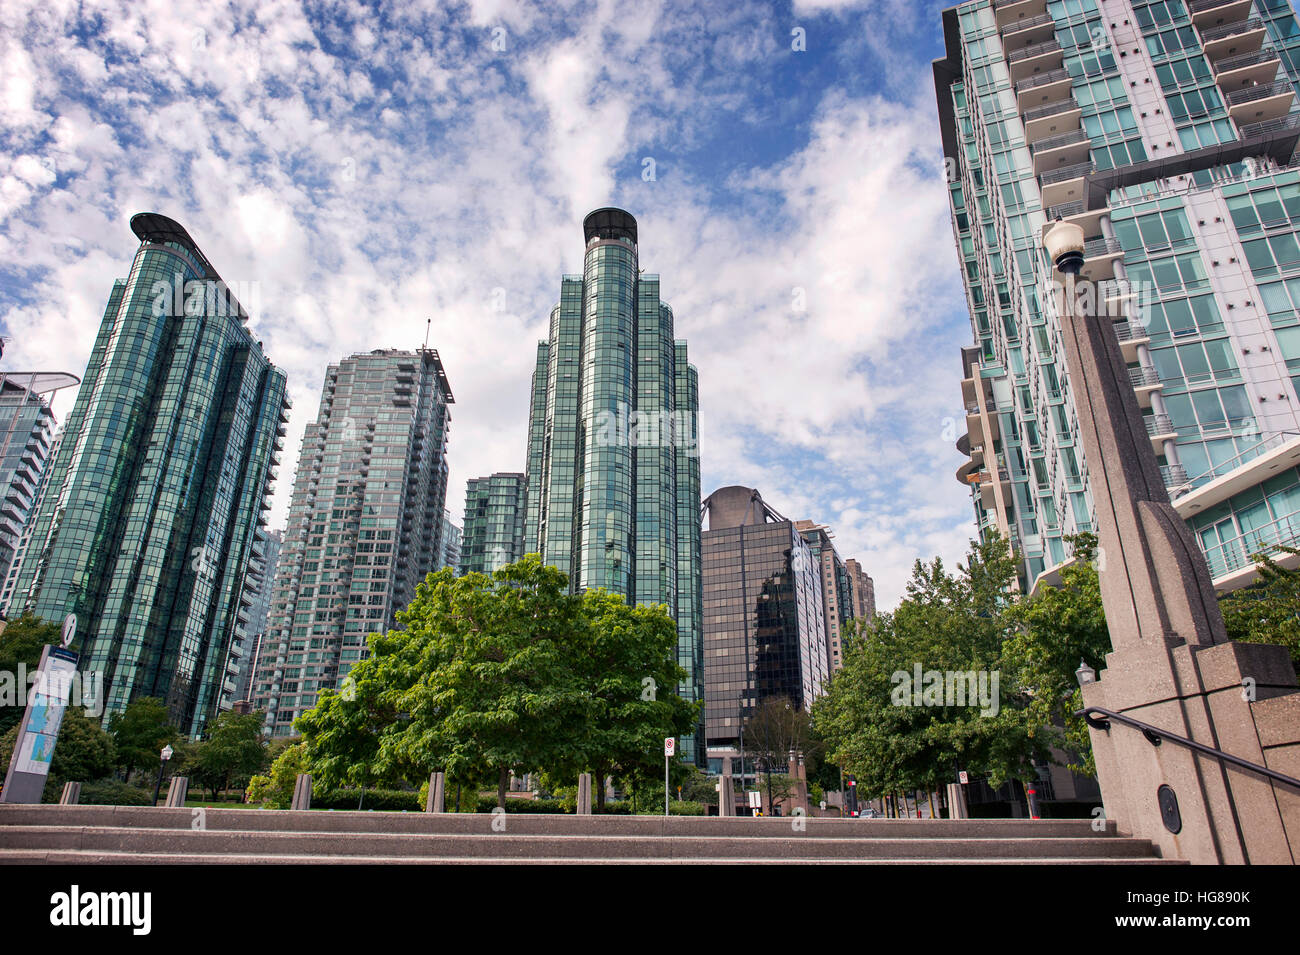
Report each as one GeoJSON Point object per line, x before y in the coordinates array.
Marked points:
{"type": "Point", "coordinates": [1167, 131]}
{"type": "Point", "coordinates": [365, 524]}
{"type": "Point", "coordinates": [155, 501]}
{"type": "Point", "coordinates": [26, 445]}
{"type": "Point", "coordinates": [613, 459]}
{"type": "Point", "coordinates": [493, 535]}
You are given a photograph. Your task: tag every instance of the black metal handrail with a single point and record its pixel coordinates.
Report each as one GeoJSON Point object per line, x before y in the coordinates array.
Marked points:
{"type": "Point", "coordinates": [1155, 736]}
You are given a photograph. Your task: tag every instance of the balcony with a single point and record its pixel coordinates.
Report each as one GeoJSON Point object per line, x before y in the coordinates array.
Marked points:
{"type": "Point", "coordinates": [1089, 220]}
{"type": "Point", "coordinates": [1175, 478]}
{"type": "Point", "coordinates": [1052, 119]}
{"type": "Point", "coordinates": [1029, 30]}
{"type": "Point", "coordinates": [1027, 61]}
{"type": "Point", "coordinates": [1249, 69]}
{"type": "Point", "coordinates": [1043, 88]}
{"type": "Point", "coordinates": [1256, 104]}
{"type": "Point", "coordinates": [1160, 429]}
{"type": "Point", "coordinates": [1099, 256]}
{"type": "Point", "coordinates": [1012, 11]}
{"type": "Point", "coordinates": [1235, 555]}
{"type": "Point", "coordinates": [1251, 130]}
{"type": "Point", "coordinates": [1207, 14]}
{"type": "Point", "coordinates": [1233, 39]}
{"type": "Point", "coordinates": [1130, 337]}
{"type": "Point", "coordinates": [1145, 383]}
{"type": "Point", "coordinates": [1064, 185]}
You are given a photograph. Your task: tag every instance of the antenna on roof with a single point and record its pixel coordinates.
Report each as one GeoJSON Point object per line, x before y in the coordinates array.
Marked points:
{"type": "Point", "coordinates": [427, 327]}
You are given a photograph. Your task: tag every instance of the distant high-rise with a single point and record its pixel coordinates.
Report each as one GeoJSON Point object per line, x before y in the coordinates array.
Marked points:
{"type": "Point", "coordinates": [613, 464]}
{"type": "Point", "coordinates": [452, 539]}
{"type": "Point", "coordinates": [365, 524]}
{"type": "Point", "coordinates": [846, 590]}
{"type": "Point", "coordinates": [493, 535]}
{"type": "Point", "coordinates": [149, 518]}
{"type": "Point", "coordinates": [26, 445]}
{"type": "Point", "coordinates": [764, 616]}
{"type": "Point", "coordinates": [243, 652]}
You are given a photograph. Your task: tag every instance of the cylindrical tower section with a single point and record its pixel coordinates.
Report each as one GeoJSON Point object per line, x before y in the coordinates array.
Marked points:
{"type": "Point", "coordinates": [606, 549]}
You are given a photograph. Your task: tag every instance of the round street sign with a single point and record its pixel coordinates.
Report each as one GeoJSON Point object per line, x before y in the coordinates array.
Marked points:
{"type": "Point", "coordinates": [69, 628]}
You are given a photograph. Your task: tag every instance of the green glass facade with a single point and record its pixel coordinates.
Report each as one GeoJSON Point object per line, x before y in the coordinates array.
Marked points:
{"type": "Point", "coordinates": [613, 464]}
{"type": "Point", "coordinates": [155, 500]}
{"type": "Point", "coordinates": [494, 523]}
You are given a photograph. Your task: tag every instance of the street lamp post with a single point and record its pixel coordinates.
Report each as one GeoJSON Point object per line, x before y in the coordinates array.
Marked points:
{"type": "Point", "coordinates": [166, 754]}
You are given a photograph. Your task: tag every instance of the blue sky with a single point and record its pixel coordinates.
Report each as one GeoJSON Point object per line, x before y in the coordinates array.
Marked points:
{"type": "Point", "coordinates": [370, 168]}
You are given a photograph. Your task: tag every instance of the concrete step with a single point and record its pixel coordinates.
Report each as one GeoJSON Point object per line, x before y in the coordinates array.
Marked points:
{"type": "Point", "coordinates": [72, 857]}
{"type": "Point", "coordinates": [514, 845]}
{"type": "Point", "coordinates": [256, 820]}
{"type": "Point", "coordinates": [120, 834]}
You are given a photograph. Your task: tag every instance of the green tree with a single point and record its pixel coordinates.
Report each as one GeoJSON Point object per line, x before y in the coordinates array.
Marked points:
{"type": "Point", "coordinates": [1269, 611]}
{"type": "Point", "coordinates": [234, 749]}
{"type": "Point", "coordinates": [626, 661]}
{"type": "Point", "coordinates": [275, 790]}
{"type": "Point", "coordinates": [478, 680]}
{"type": "Point", "coordinates": [21, 644]}
{"type": "Point", "coordinates": [1060, 626]}
{"type": "Point", "coordinates": [954, 623]}
{"type": "Point", "coordinates": [139, 733]}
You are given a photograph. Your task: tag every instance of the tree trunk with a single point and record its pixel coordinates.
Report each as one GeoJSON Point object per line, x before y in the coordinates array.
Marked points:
{"type": "Point", "coordinates": [503, 785]}
{"type": "Point", "coordinates": [598, 780]}
{"type": "Point", "coordinates": [771, 809]}
{"type": "Point", "coordinates": [930, 793]}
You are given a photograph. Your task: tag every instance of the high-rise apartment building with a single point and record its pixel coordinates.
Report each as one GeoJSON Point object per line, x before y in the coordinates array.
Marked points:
{"type": "Point", "coordinates": [243, 652]}
{"type": "Point", "coordinates": [613, 456]}
{"type": "Point", "coordinates": [764, 617]}
{"type": "Point", "coordinates": [26, 445]}
{"type": "Point", "coordinates": [862, 591]}
{"type": "Point", "coordinates": [1167, 131]}
{"type": "Point", "coordinates": [153, 506]}
{"type": "Point", "coordinates": [493, 535]}
{"type": "Point", "coordinates": [452, 539]}
{"type": "Point", "coordinates": [365, 524]}
{"type": "Point", "coordinates": [842, 586]}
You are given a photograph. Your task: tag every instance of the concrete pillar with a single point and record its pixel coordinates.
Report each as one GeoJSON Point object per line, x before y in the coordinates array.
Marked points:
{"type": "Point", "coordinates": [177, 790]}
{"type": "Point", "coordinates": [302, 792]}
{"type": "Point", "coordinates": [584, 794]}
{"type": "Point", "coordinates": [726, 796]}
{"type": "Point", "coordinates": [957, 802]}
{"type": "Point", "coordinates": [71, 794]}
{"type": "Point", "coordinates": [1172, 665]}
{"type": "Point", "coordinates": [436, 801]}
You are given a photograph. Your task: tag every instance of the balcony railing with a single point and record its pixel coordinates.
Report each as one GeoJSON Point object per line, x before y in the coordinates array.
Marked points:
{"type": "Point", "coordinates": [1289, 121]}
{"type": "Point", "coordinates": [1174, 476]}
{"type": "Point", "coordinates": [1200, 6]}
{"type": "Point", "coordinates": [1038, 49]}
{"type": "Point", "coordinates": [1029, 23]}
{"type": "Point", "coordinates": [1066, 172]}
{"type": "Point", "coordinates": [1127, 331]}
{"type": "Point", "coordinates": [1056, 142]}
{"type": "Point", "coordinates": [1065, 210]}
{"type": "Point", "coordinates": [1050, 109]}
{"type": "Point", "coordinates": [1229, 29]}
{"type": "Point", "coordinates": [1236, 554]}
{"type": "Point", "coordinates": [1159, 424]}
{"type": "Point", "coordinates": [1244, 60]}
{"type": "Point", "coordinates": [1103, 246]}
{"type": "Point", "coordinates": [1042, 79]}
{"type": "Point", "coordinates": [1143, 376]}
{"type": "Point", "coordinates": [1263, 91]}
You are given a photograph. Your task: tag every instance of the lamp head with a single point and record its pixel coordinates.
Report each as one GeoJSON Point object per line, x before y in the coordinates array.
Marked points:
{"type": "Point", "coordinates": [1064, 244]}
{"type": "Point", "coordinates": [1085, 674]}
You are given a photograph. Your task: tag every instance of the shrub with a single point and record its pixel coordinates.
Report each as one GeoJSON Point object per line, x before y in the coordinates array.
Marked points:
{"type": "Point", "coordinates": [110, 792]}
